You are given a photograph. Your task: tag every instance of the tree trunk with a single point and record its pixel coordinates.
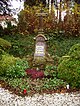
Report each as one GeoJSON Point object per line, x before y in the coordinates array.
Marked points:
{"type": "Point", "coordinates": [60, 11]}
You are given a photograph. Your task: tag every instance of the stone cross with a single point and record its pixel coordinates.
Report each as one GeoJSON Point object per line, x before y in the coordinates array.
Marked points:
{"type": "Point", "coordinates": [41, 15]}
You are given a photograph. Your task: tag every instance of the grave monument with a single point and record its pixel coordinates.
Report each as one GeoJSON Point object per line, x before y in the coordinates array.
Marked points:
{"type": "Point", "coordinates": [40, 42]}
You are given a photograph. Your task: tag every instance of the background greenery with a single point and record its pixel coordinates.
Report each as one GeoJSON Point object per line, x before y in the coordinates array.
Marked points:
{"type": "Point", "coordinates": [25, 45]}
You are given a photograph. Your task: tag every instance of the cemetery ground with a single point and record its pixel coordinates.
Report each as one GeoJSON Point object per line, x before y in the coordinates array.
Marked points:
{"type": "Point", "coordinates": [62, 66]}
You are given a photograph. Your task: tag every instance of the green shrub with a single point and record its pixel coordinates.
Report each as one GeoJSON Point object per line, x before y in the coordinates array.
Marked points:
{"type": "Point", "coordinates": [4, 44]}
{"type": "Point", "coordinates": [69, 68]}
{"type": "Point", "coordinates": [75, 51]}
{"type": "Point", "coordinates": [11, 66]}
{"type": "Point", "coordinates": [63, 58]}
{"type": "Point", "coordinates": [1, 52]}
{"type": "Point", "coordinates": [17, 69]}
{"type": "Point", "coordinates": [5, 62]}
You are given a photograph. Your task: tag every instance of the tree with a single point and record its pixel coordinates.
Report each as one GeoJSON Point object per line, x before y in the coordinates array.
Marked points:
{"type": "Point", "coordinates": [34, 2]}
{"type": "Point", "coordinates": [77, 1]}
{"type": "Point", "coordinates": [4, 9]}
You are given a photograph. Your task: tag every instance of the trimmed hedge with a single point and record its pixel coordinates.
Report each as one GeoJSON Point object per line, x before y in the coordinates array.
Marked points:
{"type": "Point", "coordinates": [69, 68]}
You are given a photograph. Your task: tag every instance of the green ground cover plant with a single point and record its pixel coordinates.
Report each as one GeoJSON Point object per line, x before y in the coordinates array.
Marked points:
{"type": "Point", "coordinates": [17, 70]}
{"type": "Point", "coordinates": [51, 70]}
{"type": "Point", "coordinates": [35, 86]}
{"type": "Point", "coordinates": [53, 83]}
{"type": "Point", "coordinates": [19, 84]}
{"type": "Point", "coordinates": [23, 45]}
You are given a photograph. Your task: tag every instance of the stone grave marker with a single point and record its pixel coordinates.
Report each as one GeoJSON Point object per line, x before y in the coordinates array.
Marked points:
{"type": "Point", "coordinates": [40, 42]}
{"type": "Point", "coordinates": [40, 49]}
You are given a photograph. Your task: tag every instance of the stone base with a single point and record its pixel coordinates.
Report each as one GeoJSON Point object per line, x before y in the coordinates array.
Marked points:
{"type": "Point", "coordinates": [39, 62]}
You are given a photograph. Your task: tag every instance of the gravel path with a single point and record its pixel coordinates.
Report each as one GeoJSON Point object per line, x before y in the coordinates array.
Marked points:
{"type": "Point", "coordinates": [66, 99]}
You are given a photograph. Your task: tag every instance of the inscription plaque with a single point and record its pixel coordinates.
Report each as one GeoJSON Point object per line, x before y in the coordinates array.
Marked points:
{"type": "Point", "coordinates": [40, 50]}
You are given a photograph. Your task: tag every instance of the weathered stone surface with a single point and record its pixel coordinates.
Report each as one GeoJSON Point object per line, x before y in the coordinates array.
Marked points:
{"type": "Point", "coordinates": [40, 49]}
